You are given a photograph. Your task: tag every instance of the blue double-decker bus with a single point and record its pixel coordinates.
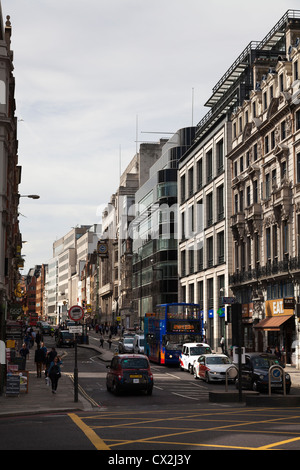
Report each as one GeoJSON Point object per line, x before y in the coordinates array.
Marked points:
{"type": "Point", "coordinates": [168, 328]}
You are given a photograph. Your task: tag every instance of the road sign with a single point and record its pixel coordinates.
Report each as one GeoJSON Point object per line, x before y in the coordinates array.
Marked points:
{"type": "Point", "coordinates": [228, 300]}
{"type": "Point", "coordinates": [76, 313]}
{"type": "Point", "coordinates": [75, 329]}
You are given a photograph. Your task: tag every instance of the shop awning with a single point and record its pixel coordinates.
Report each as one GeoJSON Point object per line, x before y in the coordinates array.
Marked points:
{"type": "Point", "coordinates": [272, 323]}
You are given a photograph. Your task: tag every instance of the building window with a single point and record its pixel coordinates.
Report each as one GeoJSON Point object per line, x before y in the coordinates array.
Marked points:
{"type": "Point", "coordinates": [254, 109]}
{"type": "Point", "coordinates": [220, 156]}
{"type": "Point", "coordinates": [209, 201]}
{"type": "Point", "coordinates": [191, 181]}
{"type": "Point", "coordinates": [285, 239]}
{"type": "Point", "coordinates": [191, 261]}
{"type": "Point", "coordinates": [283, 130]}
{"type": "Point", "coordinates": [265, 100]}
{"type": "Point", "coordinates": [281, 82]}
{"type": "Point", "coordinates": [241, 164]}
{"type": "Point", "coordinates": [255, 191]}
{"type": "Point", "coordinates": [221, 247]}
{"type": "Point", "coordinates": [275, 243]}
{"type": "Point", "coordinates": [182, 187]}
{"type": "Point", "coordinates": [200, 294]}
{"type": "Point", "coordinates": [248, 193]}
{"type": "Point", "coordinates": [296, 70]}
{"type": "Point", "coordinates": [267, 144]}
{"type": "Point", "coordinates": [255, 154]}
{"type": "Point", "coordinates": [200, 256]}
{"type": "Point", "coordinates": [210, 252]}
{"type": "Point", "coordinates": [268, 192]}
{"type": "Point", "coordinates": [183, 263]}
{"type": "Point", "coordinates": [236, 203]}
{"type": "Point", "coordinates": [272, 139]}
{"type": "Point", "coordinates": [210, 292]}
{"type": "Point", "coordinates": [268, 244]}
{"type": "Point", "coordinates": [199, 174]}
{"type": "Point", "coordinates": [298, 167]}
{"type": "Point", "coordinates": [220, 202]}
{"type": "Point", "coordinates": [209, 166]}
{"type": "Point", "coordinates": [247, 159]}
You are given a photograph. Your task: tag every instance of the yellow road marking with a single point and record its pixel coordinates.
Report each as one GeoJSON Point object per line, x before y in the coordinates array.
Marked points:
{"type": "Point", "coordinates": [90, 434]}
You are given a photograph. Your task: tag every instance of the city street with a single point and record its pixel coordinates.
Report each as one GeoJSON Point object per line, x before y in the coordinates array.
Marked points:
{"type": "Point", "coordinates": [178, 417]}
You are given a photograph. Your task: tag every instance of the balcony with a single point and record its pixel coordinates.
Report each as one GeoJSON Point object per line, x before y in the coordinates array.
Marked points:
{"type": "Point", "coordinates": [271, 269]}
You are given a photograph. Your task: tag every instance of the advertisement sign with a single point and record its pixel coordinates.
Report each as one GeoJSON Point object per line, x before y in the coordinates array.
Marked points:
{"type": "Point", "coordinates": [277, 307]}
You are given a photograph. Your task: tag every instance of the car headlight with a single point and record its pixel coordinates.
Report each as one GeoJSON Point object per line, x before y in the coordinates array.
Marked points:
{"type": "Point", "coordinates": [261, 377]}
{"type": "Point", "coordinates": [287, 377]}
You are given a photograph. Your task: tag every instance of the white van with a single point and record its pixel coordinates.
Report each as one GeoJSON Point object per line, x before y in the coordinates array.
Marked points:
{"type": "Point", "coordinates": [190, 352]}
{"type": "Point", "coordinates": [138, 344]}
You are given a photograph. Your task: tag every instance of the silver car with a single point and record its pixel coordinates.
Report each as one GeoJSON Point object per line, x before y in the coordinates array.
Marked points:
{"type": "Point", "coordinates": [212, 367]}
{"type": "Point", "coordinates": [126, 344]}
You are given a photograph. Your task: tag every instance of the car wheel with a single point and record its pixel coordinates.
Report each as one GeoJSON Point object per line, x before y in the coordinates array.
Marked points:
{"type": "Point", "coordinates": [149, 391]}
{"type": "Point", "coordinates": [207, 378]}
{"type": "Point", "coordinates": [195, 374]}
{"type": "Point", "coordinates": [287, 390]}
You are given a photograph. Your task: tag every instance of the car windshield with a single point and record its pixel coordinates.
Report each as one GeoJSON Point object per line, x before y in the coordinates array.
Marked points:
{"type": "Point", "coordinates": [198, 350]}
{"type": "Point", "coordinates": [128, 340]}
{"type": "Point", "coordinates": [66, 334]}
{"type": "Point", "coordinates": [264, 362]}
{"type": "Point", "coordinates": [218, 360]}
{"type": "Point", "coordinates": [134, 363]}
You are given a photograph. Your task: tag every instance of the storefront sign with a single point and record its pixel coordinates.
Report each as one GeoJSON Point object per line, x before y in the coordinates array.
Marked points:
{"type": "Point", "coordinates": [278, 307]}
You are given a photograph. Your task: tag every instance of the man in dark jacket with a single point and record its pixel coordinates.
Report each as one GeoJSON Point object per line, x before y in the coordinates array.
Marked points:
{"type": "Point", "coordinates": [39, 358]}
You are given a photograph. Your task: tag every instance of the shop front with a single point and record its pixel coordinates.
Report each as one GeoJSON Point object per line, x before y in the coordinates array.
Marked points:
{"type": "Point", "coordinates": [277, 329]}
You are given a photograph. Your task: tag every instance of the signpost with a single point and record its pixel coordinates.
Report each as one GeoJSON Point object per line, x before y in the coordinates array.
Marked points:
{"type": "Point", "coordinates": [76, 313]}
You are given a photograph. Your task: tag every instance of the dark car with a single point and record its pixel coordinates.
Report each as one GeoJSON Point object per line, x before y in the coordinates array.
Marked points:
{"type": "Point", "coordinates": [129, 372]}
{"type": "Point", "coordinates": [65, 338]}
{"type": "Point", "coordinates": [45, 328]}
{"type": "Point", "coordinates": [255, 373]}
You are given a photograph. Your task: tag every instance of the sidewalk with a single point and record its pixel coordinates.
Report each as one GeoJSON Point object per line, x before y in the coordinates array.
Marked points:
{"type": "Point", "coordinates": [40, 399]}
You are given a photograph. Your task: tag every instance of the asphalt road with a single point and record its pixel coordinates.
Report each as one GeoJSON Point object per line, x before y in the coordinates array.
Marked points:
{"type": "Point", "coordinates": [176, 421]}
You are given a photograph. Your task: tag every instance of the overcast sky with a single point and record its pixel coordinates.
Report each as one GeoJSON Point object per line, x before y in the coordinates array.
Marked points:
{"type": "Point", "coordinates": [94, 76]}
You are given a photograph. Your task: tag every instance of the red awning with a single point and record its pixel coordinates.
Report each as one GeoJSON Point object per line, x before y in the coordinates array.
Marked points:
{"type": "Point", "coordinates": [272, 323]}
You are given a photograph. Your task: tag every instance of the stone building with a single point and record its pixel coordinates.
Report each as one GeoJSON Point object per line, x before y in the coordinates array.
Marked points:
{"type": "Point", "coordinates": [265, 182]}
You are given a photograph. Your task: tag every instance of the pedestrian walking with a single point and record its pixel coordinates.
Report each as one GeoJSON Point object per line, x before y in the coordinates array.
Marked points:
{"type": "Point", "coordinates": [38, 359]}
{"type": "Point", "coordinates": [55, 373]}
{"type": "Point", "coordinates": [50, 358]}
{"type": "Point", "coordinates": [38, 338]}
{"type": "Point", "coordinates": [101, 341]}
{"type": "Point", "coordinates": [222, 344]}
{"type": "Point", "coordinates": [109, 342]}
{"type": "Point", "coordinates": [45, 352]}
{"type": "Point", "coordinates": [24, 352]}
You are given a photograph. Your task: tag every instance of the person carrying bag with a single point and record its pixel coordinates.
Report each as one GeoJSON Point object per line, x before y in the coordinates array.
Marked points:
{"type": "Point", "coordinates": [54, 373]}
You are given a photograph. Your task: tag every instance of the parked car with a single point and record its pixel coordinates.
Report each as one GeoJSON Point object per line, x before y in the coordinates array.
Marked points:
{"type": "Point", "coordinates": [255, 373]}
{"type": "Point", "coordinates": [129, 372]}
{"type": "Point", "coordinates": [190, 352]}
{"type": "Point", "coordinates": [138, 344]}
{"type": "Point", "coordinates": [65, 338]}
{"type": "Point", "coordinates": [126, 344]}
{"type": "Point", "coordinates": [212, 367]}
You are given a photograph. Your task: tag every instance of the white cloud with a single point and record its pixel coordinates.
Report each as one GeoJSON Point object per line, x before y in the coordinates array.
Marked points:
{"type": "Point", "coordinates": [85, 70]}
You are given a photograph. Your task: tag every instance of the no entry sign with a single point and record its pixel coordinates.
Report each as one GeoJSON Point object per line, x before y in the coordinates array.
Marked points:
{"type": "Point", "coordinates": [76, 313]}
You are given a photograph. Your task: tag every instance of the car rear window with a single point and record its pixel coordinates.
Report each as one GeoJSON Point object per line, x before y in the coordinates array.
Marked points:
{"type": "Point", "coordinates": [134, 363]}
